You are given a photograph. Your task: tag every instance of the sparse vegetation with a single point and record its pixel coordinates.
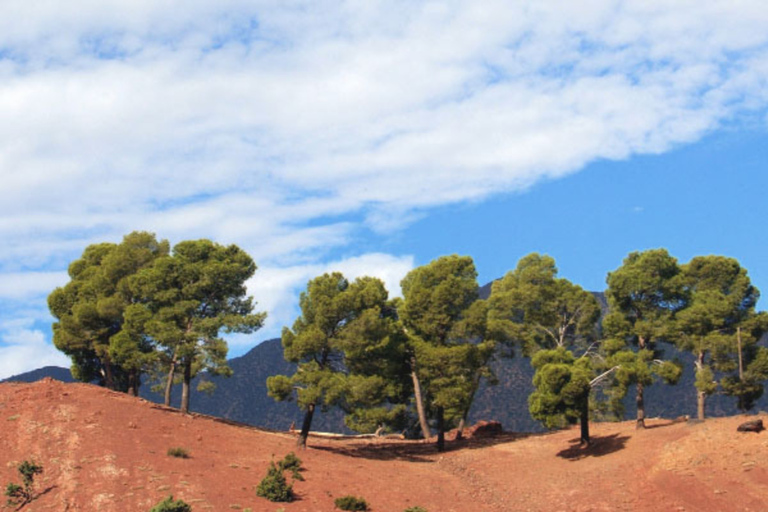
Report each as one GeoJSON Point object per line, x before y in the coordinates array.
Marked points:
{"type": "Point", "coordinates": [171, 505]}
{"type": "Point", "coordinates": [351, 503]}
{"type": "Point", "coordinates": [415, 509]}
{"type": "Point", "coordinates": [274, 486]}
{"type": "Point", "coordinates": [178, 452]}
{"type": "Point", "coordinates": [20, 495]}
{"type": "Point", "coordinates": [293, 464]}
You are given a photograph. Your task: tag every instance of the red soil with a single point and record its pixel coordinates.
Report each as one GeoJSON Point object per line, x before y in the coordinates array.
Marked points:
{"type": "Point", "coordinates": [105, 451]}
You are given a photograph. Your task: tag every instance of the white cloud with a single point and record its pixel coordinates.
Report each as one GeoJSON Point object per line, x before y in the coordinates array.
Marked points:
{"type": "Point", "coordinates": [290, 127]}
{"type": "Point", "coordinates": [23, 350]}
{"type": "Point", "coordinates": [276, 289]}
{"type": "Point", "coordinates": [19, 286]}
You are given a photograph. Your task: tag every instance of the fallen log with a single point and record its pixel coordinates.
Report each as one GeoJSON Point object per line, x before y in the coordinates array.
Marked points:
{"type": "Point", "coordinates": [333, 435]}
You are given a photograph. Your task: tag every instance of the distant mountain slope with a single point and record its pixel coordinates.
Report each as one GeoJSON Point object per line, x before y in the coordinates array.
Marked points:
{"type": "Point", "coordinates": [243, 397]}
{"type": "Point", "coordinates": [54, 372]}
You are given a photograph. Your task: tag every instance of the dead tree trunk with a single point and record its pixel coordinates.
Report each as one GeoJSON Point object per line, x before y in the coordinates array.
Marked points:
{"type": "Point", "coordinates": [701, 397]}
{"type": "Point", "coordinates": [425, 432]}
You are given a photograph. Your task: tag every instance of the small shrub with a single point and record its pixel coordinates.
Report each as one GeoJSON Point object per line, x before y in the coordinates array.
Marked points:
{"type": "Point", "coordinates": [351, 503]}
{"type": "Point", "coordinates": [274, 486]}
{"type": "Point", "coordinates": [179, 453]}
{"type": "Point", "coordinates": [169, 505]}
{"type": "Point", "coordinates": [293, 464]}
{"type": "Point", "coordinates": [20, 495]}
{"type": "Point", "coordinates": [415, 509]}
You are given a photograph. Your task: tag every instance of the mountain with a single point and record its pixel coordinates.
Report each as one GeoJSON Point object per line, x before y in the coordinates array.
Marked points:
{"type": "Point", "coordinates": [54, 372]}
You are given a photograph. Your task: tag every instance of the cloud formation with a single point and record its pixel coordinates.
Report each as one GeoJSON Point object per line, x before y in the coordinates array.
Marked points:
{"type": "Point", "coordinates": [291, 127]}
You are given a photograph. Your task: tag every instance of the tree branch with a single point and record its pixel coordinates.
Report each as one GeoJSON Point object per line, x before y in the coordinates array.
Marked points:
{"type": "Point", "coordinates": [603, 376]}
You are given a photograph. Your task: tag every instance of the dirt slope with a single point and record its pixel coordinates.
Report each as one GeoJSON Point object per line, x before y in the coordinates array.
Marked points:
{"type": "Point", "coordinates": [105, 451]}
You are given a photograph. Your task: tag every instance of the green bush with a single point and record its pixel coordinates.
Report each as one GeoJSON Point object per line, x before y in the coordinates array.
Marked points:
{"type": "Point", "coordinates": [293, 464]}
{"type": "Point", "coordinates": [351, 503]}
{"type": "Point", "coordinates": [19, 495]}
{"type": "Point", "coordinates": [415, 509]}
{"type": "Point", "coordinates": [169, 505]}
{"type": "Point", "coordinates": [274, 487]}
{"type": "Point", "coordinates": [179, 453]}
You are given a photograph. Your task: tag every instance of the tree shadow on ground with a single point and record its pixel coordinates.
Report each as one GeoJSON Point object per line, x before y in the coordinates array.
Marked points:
{"type": "Point", "coordinates": [600, 445]}
{"type": "Point", "coordinates": [665, 423]}
{"type": "Point", "coordinates": [414, 451]}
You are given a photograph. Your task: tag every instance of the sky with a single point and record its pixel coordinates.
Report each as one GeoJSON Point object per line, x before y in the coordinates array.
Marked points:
{"type": "Point", "coordinates": [372, 137]}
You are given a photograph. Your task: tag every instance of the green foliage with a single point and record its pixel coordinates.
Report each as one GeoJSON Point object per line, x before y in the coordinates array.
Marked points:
{"type": "Point", "coordinates": [643, 296]}
{"type": "Point", "coordinates": [274, 486]}
{"type": "Point", "coordinates": [20, 495]}
{"type": "Point", "coordinates": [15, 493]}
{"type": "Point", "coordinates": [189, 298]}
{"type": "Point", "coordinates": [349, 351]}
{"type": "Point", "coordinates": [719, 315]}
{"type": "Point", "coordinates": [171, 505]}
{"type": "Point", "coordinates": [293, 464]}
{"type": "Point", "coordinates": [178, 452]}
{"type": "Point", "coordinates": [535, 308]}
{"type": "Point", "coordinates": [749, 388]}
{"type": "Point", "coordinates": [562, 387]}
{"type": "Point", "coordinates": [447, 333]}
{"type": "Point", "coordinates": [94, 326]}
{"type": "Point", "coordinates": [351, 503]}
{"type": "Point", "coordinates": [415, 509]}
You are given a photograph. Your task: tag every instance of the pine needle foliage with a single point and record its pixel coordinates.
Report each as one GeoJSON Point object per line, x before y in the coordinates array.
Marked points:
{"type": "Point", "coordinates": [351, 503]}
{"type": "Point", "coordinates": [171, 505]}
{"type": "Point", "coordinates": [20, 495]}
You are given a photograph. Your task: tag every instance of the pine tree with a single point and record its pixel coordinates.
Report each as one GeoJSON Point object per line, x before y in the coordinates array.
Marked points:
{"type": "Point", "coordinates": [91, 312]}
{"type": "Point", "coordinates": [188, 299]}
{"type": "Point", "coordinates": [643, 295]}
{"type": "Point", "coordinates": [720, 327]}
{"type": "Point", "coordinates": [349, 353]}
{"type": "Point", "coordinates": [445, 324]}
{"type": "Point", "coordinates": [552, 319]}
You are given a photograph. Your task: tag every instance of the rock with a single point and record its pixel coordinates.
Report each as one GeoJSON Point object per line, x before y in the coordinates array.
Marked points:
{"type": "Point", "coordinates": [486, 429]}
{"type": "Point", "coordinates": [751, 426]}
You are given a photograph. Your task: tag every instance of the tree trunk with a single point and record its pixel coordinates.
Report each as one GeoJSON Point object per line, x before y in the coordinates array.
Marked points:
{"type": "Point", "coordinates": [425, 432]}
{"type": "Point", "coordinates": [169, 381]}
{"type": "Point", "coordinates": [639, 400]}
{"type": "Point", "coordinates": [463, 422]}
{"type": "Point", "coordinates": [584, 420]}
{"type": "Point", "coordinates": [185, 386]}
{"type": "Point", "coordinates": [109, 380]}
{"type": "Point", "coordinates": [440, 429]}
{"type": "Point", "coordinates": [741, 361]}
{"type": "Point", "coordinates": [133, 382]}
{"type": "Point", "coordinates": [701, 397]}
{"type": "Point", "coordinates": [305, 426]}
{"type": "Point", "coordinates": [460, 429]}
{"type": "Point", "coordinates": [640, 407]}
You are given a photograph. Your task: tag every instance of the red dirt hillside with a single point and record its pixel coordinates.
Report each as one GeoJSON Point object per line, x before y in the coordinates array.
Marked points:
{"type": "Point", "coordinates": [105, 451]}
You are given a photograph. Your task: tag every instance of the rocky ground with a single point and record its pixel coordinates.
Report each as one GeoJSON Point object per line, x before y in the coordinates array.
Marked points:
{"type": "Point", "coordinates": [105, 451]}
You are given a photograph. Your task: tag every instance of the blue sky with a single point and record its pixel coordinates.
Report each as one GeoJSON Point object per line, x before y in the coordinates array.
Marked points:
{"type": "Point", "coordinates": [372, 137]}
